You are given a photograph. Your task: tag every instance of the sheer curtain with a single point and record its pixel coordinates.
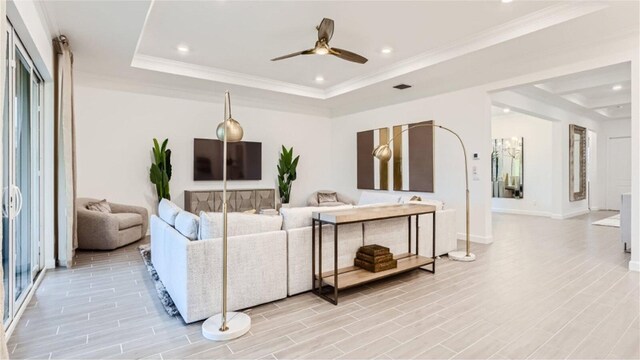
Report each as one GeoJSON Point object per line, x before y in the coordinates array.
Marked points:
{"type": "Point", "coordinates": [3, 45]}
{"type": "Point", "coordinates": [66, 157]}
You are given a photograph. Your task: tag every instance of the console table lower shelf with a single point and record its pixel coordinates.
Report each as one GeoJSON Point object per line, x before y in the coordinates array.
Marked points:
{"type": "Point", "coordinates": [353, 276]}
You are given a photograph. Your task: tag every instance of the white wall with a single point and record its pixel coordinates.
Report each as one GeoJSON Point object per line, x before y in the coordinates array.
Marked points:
{"type": "Point", "coordinates": [114, 139]}
{"type": "Point", "coordinates": [466, 112]}
{"type": "Point", "coordinates": [537, 163]}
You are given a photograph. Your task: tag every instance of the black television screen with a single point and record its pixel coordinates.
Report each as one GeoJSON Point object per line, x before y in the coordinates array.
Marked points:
{"type": "Point", "coordinates": [244, 160]}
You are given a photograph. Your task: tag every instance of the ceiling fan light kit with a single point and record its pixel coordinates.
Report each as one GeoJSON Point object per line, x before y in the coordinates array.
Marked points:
{"type": "Point", "coordinates": [325, 33]}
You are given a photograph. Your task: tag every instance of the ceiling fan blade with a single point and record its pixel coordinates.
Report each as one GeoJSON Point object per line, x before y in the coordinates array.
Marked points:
{"type": "Point", "coordinates": [348, 55]}
{"type": "Point", "coordinates": [325, 30]}
{"type": "Point", "coordinates": [304, 52]}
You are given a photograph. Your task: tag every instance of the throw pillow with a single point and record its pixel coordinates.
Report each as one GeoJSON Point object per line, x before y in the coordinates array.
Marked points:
{"type": "Point", "coordinates": [187, 224]}
{"type": "Point", "coordinates": [168, 211]}
{"type": "Point", "coordinates": [100, 206]}
{"type": "Point", "coordinates": [252, 211]}
{"type": "Point", "coordinates": [330, 197]}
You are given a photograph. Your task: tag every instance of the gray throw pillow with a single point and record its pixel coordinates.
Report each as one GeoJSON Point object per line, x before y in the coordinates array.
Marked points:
{"type": "Point", "coordinates": [100, 206]}
{"type": "Point", "coordinates": [330, 197]}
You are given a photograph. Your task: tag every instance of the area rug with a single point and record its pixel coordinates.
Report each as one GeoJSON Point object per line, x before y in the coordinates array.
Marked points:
{"type": "Point", "coordinates": [165, 298]}
{"type": "Point", "coordinates": [613, 221]}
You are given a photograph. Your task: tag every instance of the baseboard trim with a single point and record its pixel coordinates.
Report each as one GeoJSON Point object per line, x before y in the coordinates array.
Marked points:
{"type": "Point", "coordinates": [522, 212]}
{"type": "Point", "coordinates": [634, 266]}
{"type": "Point", "coordinates": [569, 215]}
{"type": "Point", "coordinates": [476, 238]}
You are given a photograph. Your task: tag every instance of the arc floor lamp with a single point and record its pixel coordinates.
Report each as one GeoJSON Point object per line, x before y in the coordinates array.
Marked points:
{"type": "Point", "coordinates": [226, 325]}
{"type": "Point", "coordinates": [383, 153]}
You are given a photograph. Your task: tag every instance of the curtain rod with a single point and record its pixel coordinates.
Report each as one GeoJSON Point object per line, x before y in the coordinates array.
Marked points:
{"type": "Point", "coordinates": [58, 41]}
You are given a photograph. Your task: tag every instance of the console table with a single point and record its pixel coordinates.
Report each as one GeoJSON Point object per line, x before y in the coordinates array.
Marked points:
{"type": "Point", "coordinates": [351, 276]}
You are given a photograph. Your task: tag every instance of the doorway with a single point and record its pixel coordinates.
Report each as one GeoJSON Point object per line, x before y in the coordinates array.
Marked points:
{"type": "Point", "coordinates": [22, 183]}
{"type": "Point", "coordinates": [618, 170]}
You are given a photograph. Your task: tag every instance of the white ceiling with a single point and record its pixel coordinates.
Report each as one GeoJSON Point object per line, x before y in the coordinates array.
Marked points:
{"type": "Point", "coordinates": [600, 94]}
{"type": "Point", "coordinates": [437, 46]}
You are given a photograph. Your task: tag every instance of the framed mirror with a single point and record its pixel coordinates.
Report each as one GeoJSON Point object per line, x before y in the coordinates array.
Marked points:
{"type": "Point", "coordinates": [507, 168]}
{"type": "Point", "coordinates": [577, 163]}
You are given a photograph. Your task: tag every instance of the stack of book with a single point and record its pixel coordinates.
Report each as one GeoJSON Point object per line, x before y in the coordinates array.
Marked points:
{"type": "Point", "coordinates": [375, 258]}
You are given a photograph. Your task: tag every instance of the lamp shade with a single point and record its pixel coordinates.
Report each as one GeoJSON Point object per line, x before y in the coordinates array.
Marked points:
{"type": "Point", "coordinates": [382, 152]}
{"type": "Point", "coordinates": [234, 130]}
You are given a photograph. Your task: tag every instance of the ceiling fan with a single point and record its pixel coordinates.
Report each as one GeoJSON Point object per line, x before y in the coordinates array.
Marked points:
{"type": "Point", "coordinates": [325, 32]}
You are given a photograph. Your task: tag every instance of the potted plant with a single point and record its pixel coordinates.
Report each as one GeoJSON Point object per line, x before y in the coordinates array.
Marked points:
{"type": "Point", "coordinates": [286, 174]}
{"type": "Point", "coordinates": [160, 171]}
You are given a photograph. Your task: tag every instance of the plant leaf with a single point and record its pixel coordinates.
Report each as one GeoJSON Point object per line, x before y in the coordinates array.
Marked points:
{"type": "Point", "coordinates": [168, 164]}
{"type": "Point", "coordinates": [164, 145]}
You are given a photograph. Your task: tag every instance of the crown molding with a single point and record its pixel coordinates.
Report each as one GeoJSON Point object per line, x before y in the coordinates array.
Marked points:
{"type": "Point", "coordinates": [209, 73]}
{"type": "Point", "coordinates": [536, 21]}
{"type": "Point", "coordinates": [93, 80]}
{"type": "Point", "coordinates": [533, 22]}
{"type": "Point", "coordinates": [47, 18]}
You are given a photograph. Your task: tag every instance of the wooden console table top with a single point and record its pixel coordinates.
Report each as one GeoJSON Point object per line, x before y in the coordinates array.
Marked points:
{"type": "Point", "coordinates": [368, 213]}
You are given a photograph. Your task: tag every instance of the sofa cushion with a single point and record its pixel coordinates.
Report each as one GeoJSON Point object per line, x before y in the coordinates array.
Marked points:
{"type": "Point", "coordinates": [293, 218]}
{"type": "Point", "coordinates": [168, 211]}
{"type": "Point", "coordinates": [238, 224]}
{"type": "Point", "coordinates": [187, 224]}
{"type": "Point", "coordinates": [127, 220]}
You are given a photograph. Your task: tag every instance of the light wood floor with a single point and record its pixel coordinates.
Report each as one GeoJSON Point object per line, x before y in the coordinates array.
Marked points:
{"type": "Point", "coordinates": [545, 289]}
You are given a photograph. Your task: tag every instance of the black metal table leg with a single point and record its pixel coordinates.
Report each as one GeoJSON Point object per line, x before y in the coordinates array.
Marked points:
{"type": "Point", "coordinates": [433, 246]}
{"type": "Point", "coordinates": [409, 236]}
{"type": "Point", "coordinates": [335, 264]}
{"type": "Point", "coordinates": [313, 255]}
{"type": "Point", "coordinates": [417, 234]}
{"type": "Point", "coordinates": [320, 257]}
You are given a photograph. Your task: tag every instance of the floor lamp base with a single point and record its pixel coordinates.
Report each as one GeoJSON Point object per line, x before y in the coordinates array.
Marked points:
{"type": "Point", "coordinates": [461, 256]}
{"type": "Point", "coordinates": [237, 322]}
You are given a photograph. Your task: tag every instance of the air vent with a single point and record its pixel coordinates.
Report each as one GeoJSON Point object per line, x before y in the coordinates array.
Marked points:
{"type": "Point", "coordinates": [402, 86]}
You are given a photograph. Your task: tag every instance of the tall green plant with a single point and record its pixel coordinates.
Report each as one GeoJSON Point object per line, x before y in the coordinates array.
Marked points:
{"type": "Point", "coordinates": [286, 173]}
{"type": "Point", "coordinates": [160, 172]}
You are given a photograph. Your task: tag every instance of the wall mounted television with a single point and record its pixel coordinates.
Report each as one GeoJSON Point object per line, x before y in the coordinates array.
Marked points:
{"type": "Point", "coordinates": [244, 160]}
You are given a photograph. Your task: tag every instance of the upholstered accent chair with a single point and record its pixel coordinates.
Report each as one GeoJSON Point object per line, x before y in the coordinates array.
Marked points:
{"type": "Point", "coordinates": [342, 199]}
{"type": "Point", "coordinates": [107, 231]}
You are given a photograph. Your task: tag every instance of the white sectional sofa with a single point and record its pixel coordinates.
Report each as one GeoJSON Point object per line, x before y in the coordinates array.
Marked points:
{"type": "Point", "coordinates": [269, 256]}
{"type": "Point", "coordinates": [191, 269]}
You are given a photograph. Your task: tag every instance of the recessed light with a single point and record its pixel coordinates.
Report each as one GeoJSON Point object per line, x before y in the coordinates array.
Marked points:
{"type": "Point", "coordinates": [506, 1]}
{"type": "Point", "coordinates": [183, 49]}
{"type": "Point", "coordinates": [506, 110]}
{"type": "Point", "coordinates": [616, 87]}
{"type": "Point", "coordinates": [386, 50]}
{"type": "Point", "coordinates": [319, 79]}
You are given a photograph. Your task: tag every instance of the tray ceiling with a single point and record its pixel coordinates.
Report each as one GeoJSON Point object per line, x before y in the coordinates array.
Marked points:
{"type": "Point", "coordinates": [437, 46]}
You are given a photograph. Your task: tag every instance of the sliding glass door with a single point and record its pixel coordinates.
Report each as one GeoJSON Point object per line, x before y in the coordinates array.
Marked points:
{"type": "Point", "coordinates": [22, 182]}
